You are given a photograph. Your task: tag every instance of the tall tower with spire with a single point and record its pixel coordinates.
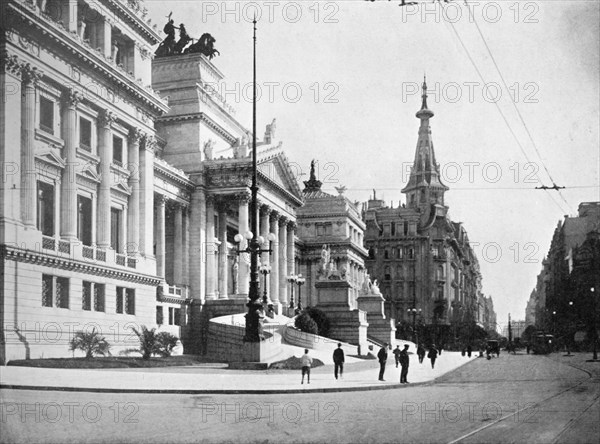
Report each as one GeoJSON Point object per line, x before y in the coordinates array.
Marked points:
{"type": "Point", "coordinates": [425, 185]}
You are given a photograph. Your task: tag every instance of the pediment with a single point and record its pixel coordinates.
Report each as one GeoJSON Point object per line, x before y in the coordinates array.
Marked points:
{"type": "Point", "coordinates": [122, 188]}
{"type": "Point", "coordinates": [50, 156]}
{"type": "Point", "coordinates": [276, 170]}
{"type": "Point", "coordinates": [88, 172]}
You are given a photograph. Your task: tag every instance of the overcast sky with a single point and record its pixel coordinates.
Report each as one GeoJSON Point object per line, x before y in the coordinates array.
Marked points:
{"type": "Point", "coordinates": [341, 78]}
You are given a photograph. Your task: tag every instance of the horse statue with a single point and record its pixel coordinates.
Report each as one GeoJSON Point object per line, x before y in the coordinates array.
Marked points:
{"type": "Point", "coordinates": [184, 39]}
{"type": "Point", "coordinates": [204, 45]}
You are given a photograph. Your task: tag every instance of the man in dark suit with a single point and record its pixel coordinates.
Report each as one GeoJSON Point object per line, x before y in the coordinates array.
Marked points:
{"type": "Point", "coordinates": [382, 356]}
{"type": "Point", "coordinates": [404, 360]}
{"type": "Point", "coordinates": [338, 361]}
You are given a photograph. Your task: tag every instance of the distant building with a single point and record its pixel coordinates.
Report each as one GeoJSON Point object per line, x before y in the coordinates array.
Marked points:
{"type": "Point", "coordinates": [420, 258]}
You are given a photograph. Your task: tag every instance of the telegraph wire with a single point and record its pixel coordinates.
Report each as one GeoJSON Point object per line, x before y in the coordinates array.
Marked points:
{"type": "Point", "coordinates": [499, 109]}
{"type": "Point", "coordinates": [489, 51]}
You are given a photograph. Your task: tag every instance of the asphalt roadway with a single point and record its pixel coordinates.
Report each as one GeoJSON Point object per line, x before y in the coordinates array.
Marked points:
{"type": "Point", "coordinates": [514, 398]}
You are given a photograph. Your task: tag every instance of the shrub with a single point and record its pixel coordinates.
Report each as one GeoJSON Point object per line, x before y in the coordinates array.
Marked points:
{"type": "Point", "coordinates": [91, 343]}
{"type": "Point", "coordinates": [321, 319]}
{"type": "Point", "coordinates": [306, 324]}
{"type": "Point", "coordinates": [148, 343]}
{"type": "Point", "coordinates": [165, 342]}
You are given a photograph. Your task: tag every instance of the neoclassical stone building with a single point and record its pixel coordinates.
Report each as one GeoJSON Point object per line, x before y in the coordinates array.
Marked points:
{"type": "Point", "coordinates": [119, 209]}
{"type": "Point", "coordinates": [420, 258]}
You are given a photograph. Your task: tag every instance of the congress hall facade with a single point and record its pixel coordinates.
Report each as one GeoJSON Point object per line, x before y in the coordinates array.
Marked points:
{"type": "Point", "coordinates": [119, 209]}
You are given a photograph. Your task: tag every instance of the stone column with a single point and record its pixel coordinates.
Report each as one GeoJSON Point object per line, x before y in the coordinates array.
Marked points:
{"type": "Point", "coordinates": [210, 248]}
{"type": "Point", "coordinates": [133, 209]}
{"type": "Point", "coordinates": [160, 201]}
{"type": "Point", "coordinates": [283, 283]}
{"type": "Point", "coordinates": [265, 211]}
{"type": "Point", "coordinates": [197, 244]}
{"type": "Point", "coordinates": [223, 259]}
{"type": "Point", "coordinates": [72, 16]}
{"type": "Point", "coordinates": [106, 37]}
{"type": "Point", "coordinates": [274, 283]}
{"type": "Point", "coordinates": [178, 245]}
{"type": "Point", "coordinates": [291, 250]}
{"type": "Point", "coordinates": [29, 76]}
{"type": "Point", "coordinates": [244, 259]}
{"type": "Point", "coordinates": [186, 246]}
{"type": "Point", "coordinates": [105, 150]}
{"type": "Point", "coordinates": [146, 191]}
{"type": "Point", "coordinates": [68, 209]}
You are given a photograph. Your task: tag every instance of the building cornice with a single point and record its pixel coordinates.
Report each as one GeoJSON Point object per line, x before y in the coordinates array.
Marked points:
{"type": "Point", "coordinates": [227, 136]}
{"type": "Point", "coordinates": [34, 257]}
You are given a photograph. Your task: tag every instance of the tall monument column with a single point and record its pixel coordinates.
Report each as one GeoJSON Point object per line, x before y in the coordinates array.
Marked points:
{"type": "Point", "coordinates": [105, 150]}
{"type": "Point", "coordinates": [68, 208]}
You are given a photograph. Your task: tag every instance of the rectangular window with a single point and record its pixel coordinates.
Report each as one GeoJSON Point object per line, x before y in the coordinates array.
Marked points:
{"type": "Point", "coordinates": [86, 296]}
{"type": "Point", "coordinates": [393, 229]}
{"type": "Point", "coordinates": [405, 228]}
{"type": "Point", "coordinates": [62, 292]}
{"type": "Point", "coordinates": [47, 290]}
{"type": "Point", "coordinates": [171, 315]}
{"type": "Point", "coordinates": [115, 225]}
{"type": "Point", "coordinates": [46, 115]}
{"type": "Point", "coordinates": [159, 315]}
{"type": "Point", "coordinates": [130, 301]}
{"type": "Point", "coordinates": [45, 209]}
{"type": "Point", "coordinates": [99, 297]}
{"type": "Point", "coordinates": [120, 291]}
{"type": "Point", "coordinates": [84, 220]}
{"type": "Point", "coordinates": [320, 230]}
{"type": "Point", "coordinates": [177, 314]}
{"type": "Point", "coordinates": [85, 134]}
{"type": "Point", "coordinates": [440, 292]}
{"type": "Point", "coordinates": [117, 150]}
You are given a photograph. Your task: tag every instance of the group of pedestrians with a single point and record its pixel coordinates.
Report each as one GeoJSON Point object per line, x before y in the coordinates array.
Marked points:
{"type": "Point", "coordinates": [401, 357]}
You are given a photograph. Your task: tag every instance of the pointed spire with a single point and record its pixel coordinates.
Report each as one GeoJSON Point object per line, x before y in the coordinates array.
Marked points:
{"type": "Point", "coordinates": [424, 112]}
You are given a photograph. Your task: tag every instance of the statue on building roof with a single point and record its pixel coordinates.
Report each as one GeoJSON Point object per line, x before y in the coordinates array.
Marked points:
{"type": "Point", "coordinates": [204, 45]}
{"type": "Point", "coordinates": [167, 46]}
{"type": "Point", "coordinates": [184, 39]}
{"type": "Point", "coordinates": [270, 132]}
{"type": "Point", "coordinates": [312, 184]}
{"type": "Point", "coordinates": [209, 147]}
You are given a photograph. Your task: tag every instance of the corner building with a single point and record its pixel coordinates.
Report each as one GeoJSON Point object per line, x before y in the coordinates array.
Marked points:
{"type": "Point", "coordinates": [420, 258]}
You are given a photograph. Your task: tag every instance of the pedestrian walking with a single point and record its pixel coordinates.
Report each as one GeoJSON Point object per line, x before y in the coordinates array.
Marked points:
{"type": "Point", "coordinates": [382, 356]}
{"type": "Point", "coordinates": [404, 360]}
{"type": "Point", "coordinates": [338, 361]}
{"type": "Point", "coordinates": [397, 352]}
{"type": "Point", "coordinates": [421, 353]}
{"type": "Point", "coordinates": [306, 363]}
{"type": "Point", "coordinates": [469, 350]}
{"type": "Point", "coordinates": [432, 355]}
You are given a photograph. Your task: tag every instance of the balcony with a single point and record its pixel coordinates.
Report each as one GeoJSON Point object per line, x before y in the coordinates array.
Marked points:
{"type": "Point", "coordinates": [86, 252]}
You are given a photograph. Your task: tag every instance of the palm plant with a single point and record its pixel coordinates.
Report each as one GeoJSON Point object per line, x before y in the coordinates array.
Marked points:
{"type": "Point", "coordinates": [91, 343]}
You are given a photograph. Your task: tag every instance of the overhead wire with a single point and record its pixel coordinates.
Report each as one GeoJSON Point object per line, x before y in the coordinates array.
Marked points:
{"type": "Point", "coordinates": [499, 109]}
{"type": "Point", "coordinates": [489, 51]}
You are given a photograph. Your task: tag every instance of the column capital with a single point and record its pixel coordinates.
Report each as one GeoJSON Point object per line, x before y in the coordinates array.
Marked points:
{"type": "Point", "coordinates": [12, 65]}
{"type": "Point", "coordinates": [211, 199]}
{"type": "Point", "coordinates": [222, 204]}
{"type": "Point", "coordinates": [243, 197]}
{"type": "Point", "coordinates": [292, 225]}
{"type": "Point", "coordinates": [30, 74]}
{"type": "Point", "coordinates": [160, 199]}
{"type": "Point", "coordinates": [149, 142]}
{"type": "Point", "coordinates": [283, 220]}
{"type": "Point", "coordinates": [135, 135]}
{"type": "Point", "coordinates": [274, 216]}
{"type": "Point", "coordinates": [266, 210]}
{"type": "Point", "coordinates": [106, 118]}
{"type": "Point", "coordinates": [71, 98]}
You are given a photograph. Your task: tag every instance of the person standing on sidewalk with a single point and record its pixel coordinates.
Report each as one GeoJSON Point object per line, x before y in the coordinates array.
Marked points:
{"type": "Point", "coordinates": [421, 353]}
{"type": "Point", "coordinates": [382, 356]}
{"type": "Point", "coordinates": [306, 363]}
{"type": "Point", "coordinates": [404, 360]}
{"type": "Point", "coordinates": [338, 361]}
{"type": "Point", "coordinates": [433, 353]}
{"type": "Point", "coordinates": [397, 352]}
{"type": "Point", "coordinates": [469, 350]}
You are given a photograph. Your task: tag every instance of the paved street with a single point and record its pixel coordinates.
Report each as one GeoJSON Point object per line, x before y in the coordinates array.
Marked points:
{"type": "Point", "coordinates": [511, 399]}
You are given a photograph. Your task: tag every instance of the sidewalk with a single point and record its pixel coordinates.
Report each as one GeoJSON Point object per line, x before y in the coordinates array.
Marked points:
{"type": "Point", "coordinates": [213, 378]}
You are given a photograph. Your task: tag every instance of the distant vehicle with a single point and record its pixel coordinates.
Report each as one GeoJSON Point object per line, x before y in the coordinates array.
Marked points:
{"type": "Point", "coordinates": [494, 347]}
{"type": "Point", "coordinates": [542, 344]}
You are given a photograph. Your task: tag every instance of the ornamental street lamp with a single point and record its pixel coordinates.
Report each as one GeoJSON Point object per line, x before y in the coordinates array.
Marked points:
{"type": "Point", "coordinates": [265, 269]}
{"type": "Point", "coordinates": [300, 282]}
{"type": "Point", "coordinates": [414, 312]}
{"type": "Point", "coordinates": [292, 279]}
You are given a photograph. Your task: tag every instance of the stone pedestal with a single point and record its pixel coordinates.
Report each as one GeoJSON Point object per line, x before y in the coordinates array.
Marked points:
{"type": "Point", "coordinates": [381, 329]}
{"type": "Point", "coordinates": [334, 297]}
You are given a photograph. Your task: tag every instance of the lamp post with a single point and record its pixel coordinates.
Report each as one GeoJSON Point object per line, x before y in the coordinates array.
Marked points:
{"type": "Point", "coordinates": [594, 324]}
{"type": "Point", "coordinates": [292, 279]}
{"type": "Point", "coordinates": [414, 312]}
{"type": "Point", "coordinates": [265, 269]}
{"type": "Point", "coordinates": [300, 282]}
